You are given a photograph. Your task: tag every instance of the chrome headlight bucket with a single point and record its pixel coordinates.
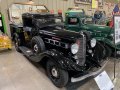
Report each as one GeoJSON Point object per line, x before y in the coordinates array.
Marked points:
{"type": "Point", "coordinates": [93, 42]}
{"type": "Point", "coordinates": [112, 35]}
{"type": "Point", "coordinates": [74, 48]}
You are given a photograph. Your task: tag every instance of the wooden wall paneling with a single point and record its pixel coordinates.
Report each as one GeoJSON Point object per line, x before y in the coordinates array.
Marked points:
{"type": "Point", "coordinates": [57, 4]}
{"type": "Point", "coordinates": [65, 6]}
{"type": "Point", "coordinates": [54, 6]}
{"type": "Point", "coordinates": [45, 2]}
{"type": "Point", "coordinates": [62, 6]}
{"type": "Point", "coordinates": [49, 4]}
{"type": "Point", "coordinates": [36, 1]}
{"type": "Point", "coordinates": [41, 1]}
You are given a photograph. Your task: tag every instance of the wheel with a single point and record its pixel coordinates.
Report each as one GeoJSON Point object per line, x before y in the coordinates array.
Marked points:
{"type": "Point", "coordinates": [37, 45]}
{"type": "Point", "coordinates": [99, 51]}
{"type": "Point", "coordinates": [58, 76]}
{"type": "Point", "coordinates": [108, 51]}
{"type": "Point", "coordinates": [17, 42]}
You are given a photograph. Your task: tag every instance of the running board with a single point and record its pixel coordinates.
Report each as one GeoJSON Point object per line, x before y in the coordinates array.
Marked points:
{"type": "Point", "coordinates": [29, 54]}
{"type": "Point", "coordinates": [90, 74]}
{"type": "Point", "coordinates": [26, 51]}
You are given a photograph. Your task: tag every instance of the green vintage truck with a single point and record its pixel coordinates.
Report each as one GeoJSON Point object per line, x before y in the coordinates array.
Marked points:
{"type": "Point", "coordinates": [76, 20]}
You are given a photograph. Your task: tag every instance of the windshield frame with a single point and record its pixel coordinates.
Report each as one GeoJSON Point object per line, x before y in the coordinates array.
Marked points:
{"type": "Point", "coordinates": [31, 5]}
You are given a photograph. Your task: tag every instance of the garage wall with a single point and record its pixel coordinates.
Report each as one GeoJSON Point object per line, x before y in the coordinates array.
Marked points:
{"type": "Point", "coordinates": [62, 5]}
{"type": "Point", "coordinates": [4, 5]}
{"type": "Point", "coordinates": [51, 4]}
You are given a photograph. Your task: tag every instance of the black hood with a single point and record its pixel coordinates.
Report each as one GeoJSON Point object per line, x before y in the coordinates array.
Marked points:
{"type": "Point", "coordinates": [62, 33]}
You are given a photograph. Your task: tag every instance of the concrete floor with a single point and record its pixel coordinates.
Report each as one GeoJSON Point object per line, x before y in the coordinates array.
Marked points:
{"type": "Point", "coordinates": [18, 73]}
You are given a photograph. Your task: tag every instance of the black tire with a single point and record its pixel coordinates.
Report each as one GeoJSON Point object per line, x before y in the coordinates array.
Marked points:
{"type": "Point", "coordinates": [37, 45]}
{"type": "Point", "coordinates": [108, 51]}
{"type": "Point", "coordinates": [17, 42]}
{"type": "Point", "coordinates": [99, 51]}
{"type": "Point", "coordinates": [62, 77]}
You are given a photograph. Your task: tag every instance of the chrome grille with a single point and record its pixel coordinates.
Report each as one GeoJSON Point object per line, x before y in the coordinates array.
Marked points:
{"type": "Point", "coordinates": [82, 51]}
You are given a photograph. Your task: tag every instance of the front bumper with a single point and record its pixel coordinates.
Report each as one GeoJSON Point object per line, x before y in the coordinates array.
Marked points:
{"type": "Point", "coordinates": [90, 73]}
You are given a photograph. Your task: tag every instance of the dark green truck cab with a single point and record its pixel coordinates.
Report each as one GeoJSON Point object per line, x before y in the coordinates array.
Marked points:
{"type": "Point", "coordinates": [76, 20]}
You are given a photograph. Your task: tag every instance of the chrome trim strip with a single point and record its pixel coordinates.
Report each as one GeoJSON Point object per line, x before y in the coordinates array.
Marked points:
{"type": "Point", "coordinates": [90, 74]}
{"type": "Point", "coordinates": [55, 41]}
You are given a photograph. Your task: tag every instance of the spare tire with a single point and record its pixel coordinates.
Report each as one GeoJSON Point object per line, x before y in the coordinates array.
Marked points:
{"type": "Point", "coordinates": [37, 45]}
{"type": "Point", "coordinates": [58, 76]}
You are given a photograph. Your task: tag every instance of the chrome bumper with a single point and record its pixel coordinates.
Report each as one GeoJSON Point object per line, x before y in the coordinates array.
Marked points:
{"type": "Point", "coordinates": [93, 73]}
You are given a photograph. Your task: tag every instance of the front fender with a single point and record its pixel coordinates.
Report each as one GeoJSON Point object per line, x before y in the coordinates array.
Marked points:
{"type": "Point", "coordinates": [107, 41]}
{"type": "Point", "coordinates": [56, 57]}
{"type": "Point", "coordinates": [61, 61]}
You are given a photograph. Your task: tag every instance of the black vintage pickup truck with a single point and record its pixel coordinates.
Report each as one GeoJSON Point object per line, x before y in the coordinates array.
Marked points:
{"type": "Point", "coordinates": [66, 54]}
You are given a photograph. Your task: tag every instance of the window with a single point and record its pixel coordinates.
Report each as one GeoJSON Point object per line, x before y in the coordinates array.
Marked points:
{"type": "Point", "coordinates": [73, 20]}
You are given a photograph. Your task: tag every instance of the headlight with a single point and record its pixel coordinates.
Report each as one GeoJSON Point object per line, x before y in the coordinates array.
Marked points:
{"type": "Point", "coordinates": [93, 42]}
{"type": "Point", "coordinates": [74, 48]}
{"type": "Point", "coordinates": [112, 35]}
{"type": "Point", "coordinates": [58, 20]}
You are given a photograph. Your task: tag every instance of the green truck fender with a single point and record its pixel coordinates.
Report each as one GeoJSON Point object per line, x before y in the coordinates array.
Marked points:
{"type": "Point", "coordinates": [107, 42]}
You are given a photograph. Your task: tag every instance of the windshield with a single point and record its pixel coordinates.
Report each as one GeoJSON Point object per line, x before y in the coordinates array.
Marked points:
{"type": "Point", "coordinates": [46, 18]}
{"type": "Point", "coordinates": [76, 9]}
{"type": "Point", "coordinates": [87, 20]}
{"type": "Point", "coordinates": [16, 10]}
{"type": "Point", "coordinates": [75, 20]}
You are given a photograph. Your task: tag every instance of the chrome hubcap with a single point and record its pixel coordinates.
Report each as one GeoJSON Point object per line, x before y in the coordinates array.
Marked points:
{"type": "Point", "coordinates": [17, 42]}
{"type": "Point", "coordinates": [35, 47]}
{"type": "Point", "coordinates": [54, 72]}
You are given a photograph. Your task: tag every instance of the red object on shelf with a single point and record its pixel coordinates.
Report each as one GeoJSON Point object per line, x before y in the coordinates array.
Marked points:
{"type": "Point", "coordinates": [52, 11]}
{"type": "Point", "coordinates": [111, 23]}
{"type": "Point", "coordinates": [59, 12]}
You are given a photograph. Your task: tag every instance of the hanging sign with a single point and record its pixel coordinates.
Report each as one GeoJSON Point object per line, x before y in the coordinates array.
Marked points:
{"type": "Point", "coordinates": [94, 4]}
{"type": "Point", "coordinates": [117, 29]}
{"type": "Point", "coordinates": [100, 2]}
{"type": "Point", "coordinates": [83, 1]}
{"type": "Point", "coordinates": [104, 82]}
